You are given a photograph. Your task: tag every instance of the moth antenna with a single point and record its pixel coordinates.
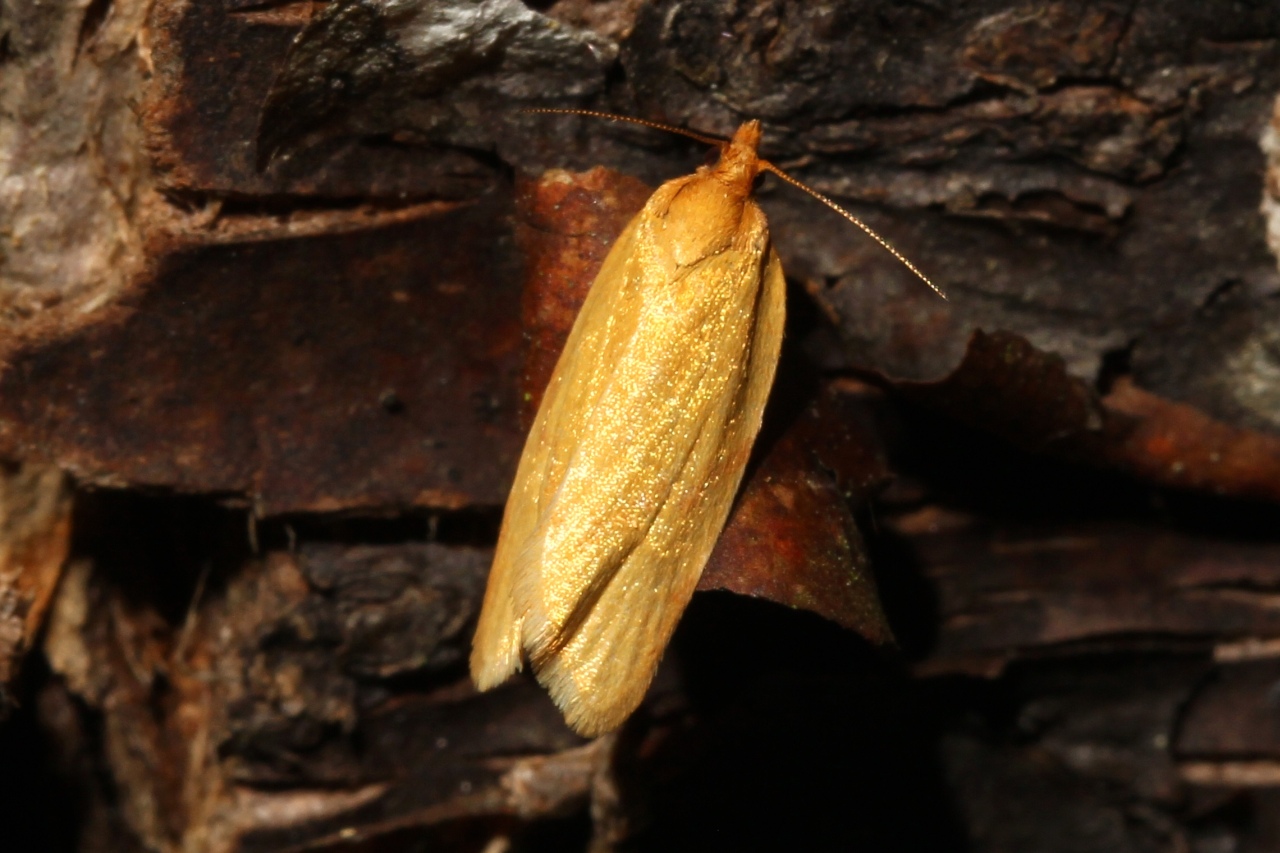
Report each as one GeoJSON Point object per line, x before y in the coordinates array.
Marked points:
{"type": "Point", "coordinates": [766, 166]}
{"type": "Point", "coordinates": [680, 131]}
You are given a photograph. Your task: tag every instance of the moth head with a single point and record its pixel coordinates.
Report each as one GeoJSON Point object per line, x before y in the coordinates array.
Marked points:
{"type": "Point", "coordinates": [739, 163]}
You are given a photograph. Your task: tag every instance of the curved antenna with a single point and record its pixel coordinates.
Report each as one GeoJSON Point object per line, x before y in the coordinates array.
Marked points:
{"type": "Point", "coordinates": [708, 140]}
{"type": "Point", "coordinates": [766, 166]}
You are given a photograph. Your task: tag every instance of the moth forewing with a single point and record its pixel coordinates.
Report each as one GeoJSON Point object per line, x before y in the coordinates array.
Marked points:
{"type": "Point", "coordinates": [600, 673]}
{"type": "Point", "coordinates": [633, 426]}
{"type": "Point", "coordinates": [496, 649]}
{"type": "Point", "coordinates": [639, 445]}
{"type": "Point", "coordinates": [641, 440]}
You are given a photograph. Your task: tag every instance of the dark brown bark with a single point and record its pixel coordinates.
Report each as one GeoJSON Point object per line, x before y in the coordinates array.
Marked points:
{"type": "Point", "coordinates": [279, 282]}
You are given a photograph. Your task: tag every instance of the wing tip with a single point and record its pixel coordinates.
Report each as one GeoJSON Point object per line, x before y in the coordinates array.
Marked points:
{"type": "Point", "coordinates": [488, 674]}
{"type": "Point", "coordinates": [590, 713]}
{"type": "Point", "coordinates": [595, 711]}
{"type": "Point", "coordinates": [494, 660]}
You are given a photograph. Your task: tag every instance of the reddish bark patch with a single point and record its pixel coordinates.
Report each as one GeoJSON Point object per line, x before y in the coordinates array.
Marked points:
{"type": "Point", "coordinates": [369, 369]}
{"type": "Point", "coordinates": [791, 538]}
{"type": "Point", "coordinates": [1178, 445]}
{"type": "Point", "coordinates": [566, 223]}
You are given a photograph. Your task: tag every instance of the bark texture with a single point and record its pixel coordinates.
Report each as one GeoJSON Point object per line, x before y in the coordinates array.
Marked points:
{"type": "Point", "coordinates": [279, 287]}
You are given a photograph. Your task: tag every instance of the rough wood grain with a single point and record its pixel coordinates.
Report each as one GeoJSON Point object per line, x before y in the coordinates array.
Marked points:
{"type": "Point", "coordinates": [260, 300]}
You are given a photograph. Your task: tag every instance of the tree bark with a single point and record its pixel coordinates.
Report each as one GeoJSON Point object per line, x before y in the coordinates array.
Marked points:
{"type": "Point", "coordinates": [280, 281]}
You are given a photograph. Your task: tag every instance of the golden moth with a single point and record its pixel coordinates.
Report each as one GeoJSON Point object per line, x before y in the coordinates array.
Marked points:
{"type": "Point", "coordinates": [635, 455]}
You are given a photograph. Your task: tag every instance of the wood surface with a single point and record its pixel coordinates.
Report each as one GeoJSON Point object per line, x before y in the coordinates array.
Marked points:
{"type": "Point", "coordinates": [278, 281]}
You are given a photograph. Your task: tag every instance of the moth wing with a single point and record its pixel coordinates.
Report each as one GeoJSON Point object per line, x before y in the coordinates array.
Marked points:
{"type": "Point", "coordinates": [496, 648]}
{"type": "Point", "coordinates": [603, 579]}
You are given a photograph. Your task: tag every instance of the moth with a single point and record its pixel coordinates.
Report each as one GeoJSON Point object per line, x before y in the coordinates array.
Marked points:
{"type": "Point", "coordinates": [636, 453]}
